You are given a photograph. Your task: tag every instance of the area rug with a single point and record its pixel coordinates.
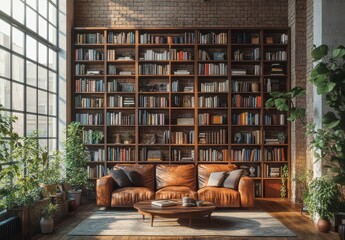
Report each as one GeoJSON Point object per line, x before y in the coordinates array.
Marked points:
{"type": "Point", "coordinates": [249, 223]}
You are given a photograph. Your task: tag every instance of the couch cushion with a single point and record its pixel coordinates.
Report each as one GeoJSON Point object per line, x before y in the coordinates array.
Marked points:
{"type": "Point", "coordinates": [135, 178]}
{"type": "Point", "coordinates": [204, 171]}
{"type": "Point", "coordinates": [175, 192]}
{"type": "Point", "coordinates": [216, 179]}
{"type": "Point", "coordinates": [126, 197]}
{"type": "Point", "coordinates": [221, 197]}
{"type": "Point", "coordinates": [175, 175]}
{"type": "Point", "coordinates": [146, 172]}
{"type": "Point", "coordinates": [232, 179]}
{"type": "Point", "coordinates": [120, 177]}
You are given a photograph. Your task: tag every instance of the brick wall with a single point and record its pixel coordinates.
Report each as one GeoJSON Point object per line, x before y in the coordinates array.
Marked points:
{"type": "Point", "coordinates": [182, 13]}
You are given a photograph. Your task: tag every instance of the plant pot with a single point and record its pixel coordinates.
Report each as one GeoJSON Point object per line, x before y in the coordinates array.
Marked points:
{"type": "Point", "coordinates": [76, 195]}
{"type": "Point", "coordinates": [47, 225]}
{"type": "Point", "coordinates": [324, 225]}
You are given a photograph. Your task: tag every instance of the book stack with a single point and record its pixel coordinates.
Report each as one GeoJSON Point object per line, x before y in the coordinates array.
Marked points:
{"type": "Point", "coordinates": [276, 69]}
{"type": "Point", "coordinates": [235, 72]}
{"type": "Point", "coordinates": [163, 203]}
{"type": "Point", "coordinates": [181, 72]}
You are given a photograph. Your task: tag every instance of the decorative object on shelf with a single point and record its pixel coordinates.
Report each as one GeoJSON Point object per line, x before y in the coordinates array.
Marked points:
{"type": "Point", "coordinates": [281, 137]}
{"type": "Point", "coordinates": [117, 138]}
{"type": "Point", "coordinates": [149, 139]}
{"type": "Point", "coordinates": [252, 171]}
{"type": "Point", "coordinates": [128, 138]}
{"type": "Point", "coordinates": [255, 86]}
{"type": "Point", "coordinates": [47, 222]}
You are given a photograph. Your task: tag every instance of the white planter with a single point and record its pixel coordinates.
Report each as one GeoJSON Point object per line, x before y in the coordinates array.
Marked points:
{"type": "Point", "coordinates": [76, 195]}
{"type": "Point", "coordinates": [47, 225]}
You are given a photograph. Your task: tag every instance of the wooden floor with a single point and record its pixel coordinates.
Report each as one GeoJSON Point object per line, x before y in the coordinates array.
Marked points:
{"type": "Point", "coordinates": [282, 210]}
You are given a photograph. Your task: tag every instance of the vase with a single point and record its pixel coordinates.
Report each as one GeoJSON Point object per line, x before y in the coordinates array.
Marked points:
{"type": "Point", "coordinates": [47, 225]}
{"type": "Point", "coordinates": [324, 225]}
{"type": "Point", "coordinates": [76, 195]}
{"type": "Point", "coordinates": [341, 231]}
{"type": "Point", "coordinates": [255, 87]}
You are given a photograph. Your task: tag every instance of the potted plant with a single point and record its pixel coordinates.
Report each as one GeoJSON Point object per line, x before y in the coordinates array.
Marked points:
{"type": "Point", "coordinates": [128, 138]}
{"type": "Point", "coordinates": [75, 161]}
{"type": "Point", "coordinates": [284, 179]}
{"type": "Point", "coordinates": [281, 137]}
{"type": "Point", "coordinates": [323, 199]}
{"type": "Point", "coordinates": [47, 222]}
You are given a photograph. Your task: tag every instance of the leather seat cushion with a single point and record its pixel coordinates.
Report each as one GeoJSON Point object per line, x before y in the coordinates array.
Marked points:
{"type": "Point", "coordinates": [175, 192]}
{"type": "Point", "coordinates": [176, 175]}
{"type": "Point", "coordinates": [220, 196]}
{"type": "Point", "coordinates": [127, 196]}
{"type": "Point", "coordinates": [145, 173]}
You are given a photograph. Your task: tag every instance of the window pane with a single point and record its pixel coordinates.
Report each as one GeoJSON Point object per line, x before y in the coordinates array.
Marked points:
{"type": "Point", "coordinates": [52, 14]}
{"type": "Point", "coordinates": [52, 81]}
{"type": "Point", "coordinates": [18, 10]}
{"type": "Point", "coordinates": [18, 68]}
{"type": "Point", "coordinates": [17, 96]}
{"type": "Point", "coordinates": [5, 34]}
{"type": "Point", "coordinates": [42, 102]}
{"type": "Point", "coordinates": [32, 3]}
{"type": "Point", "coordinates": [52, 127]}
{"type": "Point", "coordinates": [42, 77]}
{"type": "Point", "coordinates": [31, 48]}
{"type": "Point", "coordinates": [5, 64]}
{"type": "Point", "coordinates": [18, 126]}
{"type": "Point", "coordinates": [42, 54]}
{"type": "Point", "coordinates": [17, 41]}
{"type": "Point", "coordinates": [31, 19]}
{"type": "Point", "coordinates": [31, 73]}
{"type": "Point", "coordinates": [52, 59]}
{"type": "Point", "coordinates": [52, 145]}
{"type": "Point", "coordinates": [42, 29]}
{"type": "Point", "coordinates": [42, 8]}
{"type": "Point", "coordinates": [42, 126]}
{"type": "Point", "coordinates": [31, 99]}
{"type": "Point", "coordinates": [52, 104]}
{"type": "Point", "coordinates": [5, 93]}
{"type": "Point", "coordinates": [31, 123]}
{"type": "Point", "coordinates": [6, 7]}
{"type": "Point", "coordinates": [52, 34]}
{"type": "Point", "coordinates": [43, 142]}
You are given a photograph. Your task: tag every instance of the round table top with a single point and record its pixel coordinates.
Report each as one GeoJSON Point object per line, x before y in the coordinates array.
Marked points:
{"type": "Point", "coordinates": [147, 206]}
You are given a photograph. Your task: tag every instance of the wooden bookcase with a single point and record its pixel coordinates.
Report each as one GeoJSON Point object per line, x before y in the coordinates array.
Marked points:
{"type": "Point", "coordinates": [185, 95]}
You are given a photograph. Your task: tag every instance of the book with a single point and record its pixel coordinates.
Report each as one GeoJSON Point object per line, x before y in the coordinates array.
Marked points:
{"type": "Point", "coordinates": [163, 203]}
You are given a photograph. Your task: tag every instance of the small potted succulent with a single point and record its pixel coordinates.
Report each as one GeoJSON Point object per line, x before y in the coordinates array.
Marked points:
{"type": "Point", "coordinates": [128, 138]}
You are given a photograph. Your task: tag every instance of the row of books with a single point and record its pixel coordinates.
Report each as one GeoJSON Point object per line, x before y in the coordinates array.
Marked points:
{"type": "Point", "coordinates": [214, 86]}
{"type": "Point", "coordinates": [150, 54]}
{"type": "Point", "coordinates": [183, 101]}
{"type": "Point", "coordinates": [249, 101]}
{"type": "Point", "coordinates": [246, 154]}
{"type": "Point", "coordinates": [97, 155]}
{"type": "Point", "coordinates": [119, 118]}
{"type": "Point", "coordinates": [213, 137]}
{"type": "Point", "coordinates": [213, 154]}
{"type": "Point", "coordinates": [89, 38]}
{"type": "Point", "coordinates": [242, 86]}
{"type": "Point", "coordinates": [153, 101]}
{"type": "Point", "coordinates": [182, 38]}
{"type": "Point", "coordinates": [208, 69]}
{"type": "Point", "coordinates": [246, 118]}
{"type": "Point", "coordinates": [182, 137]}
{"type": "Point", "coordinates": [277, 55]}
{"type": "Point", "coordinates": [97, 171]}
{"type": "Point", "coordinates": [116, 86]}
{"type": "Point", "coordinates": [121, 37]}
{"type": "Point", "coordinates": [179, 155]}
{"type": "Point", "coordinates": [153, 69]}
{"type": "Point", "coordinates": [89, 85]}
{"type": "Point", "coordinates": [211, 119]}
{"type": "Point", "coordinates": [146, 118]}
{"type": "Point", "coordinates": [175, 87]}
{"type": "Point", "coordinates": [80, 69]}
{"type": "Point", "coordinates": [212, 101]}
{"type": "Point", "coordinates": [274, 154]}
{"type": "Point", "coordinates": [89, 54]}
{"type": "Point", "coordinates": [121, 101]}
{"type": "Point", "coordinates": [252, 54]}
{"type": "Point", "coordinates": [121, 154]}
{"type": "Point", "coordinates": [253, 137]}
{"type": "Point", "coordinates": [89, 118]}
{"type": "Point", "coordinates": [213, 38]}
{"type": "Point", "coordinates": [89, 102]}
{"type": "Point", "coordinates": [181, 55]}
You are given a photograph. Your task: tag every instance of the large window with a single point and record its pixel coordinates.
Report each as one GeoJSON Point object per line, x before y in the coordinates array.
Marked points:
{"type": "Point", "coordinates": [28, 66]}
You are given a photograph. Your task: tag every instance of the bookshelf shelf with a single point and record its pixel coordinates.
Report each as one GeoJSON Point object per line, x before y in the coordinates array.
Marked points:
{"type": "Point", "coordinates": [185, 96]}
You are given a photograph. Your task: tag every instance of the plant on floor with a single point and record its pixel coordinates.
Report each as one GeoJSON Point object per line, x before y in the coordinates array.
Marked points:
{"type": "Point", "coordinates": [328, 78]}
{"type": "Point", "coordinates": [284, 179]}
{"type": "Point", "coordinates": [75, 156]}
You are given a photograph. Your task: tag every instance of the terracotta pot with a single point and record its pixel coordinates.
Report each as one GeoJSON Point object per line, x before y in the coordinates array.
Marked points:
{"type": "Point", "coordinates": [324, 225]}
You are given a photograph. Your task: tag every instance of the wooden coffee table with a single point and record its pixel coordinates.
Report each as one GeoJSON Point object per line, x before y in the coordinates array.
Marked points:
{"type": "Point", "coordinates": [145, 208]}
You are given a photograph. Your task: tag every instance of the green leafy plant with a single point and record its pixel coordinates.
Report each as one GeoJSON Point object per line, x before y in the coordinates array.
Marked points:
{"type": "Point", "coordinates": [284, 178]}
{"type": "Point", "coordinates": [128, 137]}
{"type": "Point", "coordinates": [76, 156]}
{"type": "Point", "coordinates": [97, 137]}
{"type": "Point", "coordinates": [49, 210]}
{"type": "Point", "coordinates": [323, 198]}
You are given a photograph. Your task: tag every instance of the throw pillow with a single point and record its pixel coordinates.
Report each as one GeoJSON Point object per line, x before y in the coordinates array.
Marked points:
{"type": "Point", "coordinates": [232, 179]}
{"type": "Point", "coordinates": [135, 178]}
{"type": "Point", "coordinates": [216, 178]}
{"type": "Point", "coordinates": [120, 178]}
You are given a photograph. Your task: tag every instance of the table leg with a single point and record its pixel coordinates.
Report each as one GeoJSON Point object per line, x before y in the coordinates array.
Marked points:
{"type": "Point", "coordinates": [152, 217]}
{"type": "Point", "coordinates": [143, 217]}
{"type": "Point", "coordinates": [190, 222]}
{"type": "Point", "coordinates": [209, 218]}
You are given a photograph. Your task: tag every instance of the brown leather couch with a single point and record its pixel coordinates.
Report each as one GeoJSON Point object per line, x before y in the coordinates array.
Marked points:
{"type": "Point", "coordinates": [169, 181]}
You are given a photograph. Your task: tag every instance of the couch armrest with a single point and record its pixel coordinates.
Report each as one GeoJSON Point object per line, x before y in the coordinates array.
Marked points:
{"type": "Point", "coordinates": [246, 189]}
{"type": "Point", "coordinates": [104, 188]}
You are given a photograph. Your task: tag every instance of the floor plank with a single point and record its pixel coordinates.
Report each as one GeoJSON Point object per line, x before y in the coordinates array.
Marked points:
{"type": "Point", "coordinates": [282, 210]}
